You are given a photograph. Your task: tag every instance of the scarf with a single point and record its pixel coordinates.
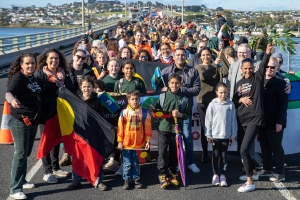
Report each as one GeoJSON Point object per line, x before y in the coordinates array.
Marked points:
{"type": "Point", "coordinates": [166, 60]}
{"type": "Point", "coordinates": [57, 78]}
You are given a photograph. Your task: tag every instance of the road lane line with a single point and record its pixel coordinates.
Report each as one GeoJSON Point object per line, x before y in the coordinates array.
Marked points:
{"type": "Point", "coordinates": [31, 173]}
{"type": "Point", "coordinates": [280, 186]}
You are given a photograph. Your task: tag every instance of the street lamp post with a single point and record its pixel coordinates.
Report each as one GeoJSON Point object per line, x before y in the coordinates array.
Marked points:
{"type": "Point", "coordinates": [82, 13]}
{"type": "Point", "coordinates": [182, 11]}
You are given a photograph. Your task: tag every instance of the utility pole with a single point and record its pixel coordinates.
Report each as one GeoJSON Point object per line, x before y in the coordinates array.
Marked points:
{"type": "Point", "coordinates": [125, 8]}
{"type": "Point", "coordinates": [182, 11]}
{"type": "Point", "coordinates": [82, 13]}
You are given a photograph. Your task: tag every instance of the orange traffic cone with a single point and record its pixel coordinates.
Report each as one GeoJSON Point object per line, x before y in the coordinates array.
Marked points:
{"type": "Point", "coordinates": [5, 134]}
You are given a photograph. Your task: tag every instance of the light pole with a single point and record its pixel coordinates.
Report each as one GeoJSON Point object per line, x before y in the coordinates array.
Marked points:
{"type": "Point", "coordinates": [182, 11]}
{"type": "Point", "coordinates": [171, 8]}
{"type": "Point", "coordinates": [125, 9]}
{"type": "Point", "coordinates": [82, 18]}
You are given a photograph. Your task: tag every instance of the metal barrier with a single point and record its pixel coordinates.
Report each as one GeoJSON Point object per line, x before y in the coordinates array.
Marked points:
{"type": "Point", "coordinates": [16, 42]}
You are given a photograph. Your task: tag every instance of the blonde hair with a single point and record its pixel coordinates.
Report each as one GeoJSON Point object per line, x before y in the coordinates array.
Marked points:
{"type": "Point", "coordinates": [101, 52]}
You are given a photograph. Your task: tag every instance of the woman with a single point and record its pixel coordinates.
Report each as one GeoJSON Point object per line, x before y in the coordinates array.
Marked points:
{"type": "Point", "coordinates": [51, 74]}
{"type": "Point", "coordinates": [112, 48]}
{"type": "Point", "coordinates": [165, 54]}
{"type": "Point", "coordinates": [23, 95]}
{"type": "Point", "coordinates": [270, 136]}
{"type": "Point", "coordinates": [210, 74]}
{"type": "Point", "coordinates": [144, 55]}
{"type": "Point", "coordinates": [248, 97]}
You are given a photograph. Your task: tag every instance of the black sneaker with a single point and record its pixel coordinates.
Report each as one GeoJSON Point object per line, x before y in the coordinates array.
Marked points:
{"type": "Point", "coordinates": [74, 185]}
{"type": "Point", "coordinates": [204, 158]}
{"type": "Point", "coordinates": [138, 184]}
{"type": "Point", "coordinates": [102, 187]}
{"type": "Point", "coordinates": [126, 185]}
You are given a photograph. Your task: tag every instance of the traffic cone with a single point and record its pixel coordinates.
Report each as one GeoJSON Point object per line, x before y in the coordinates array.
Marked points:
{"type": "Point", "coordinates": [5, 134]}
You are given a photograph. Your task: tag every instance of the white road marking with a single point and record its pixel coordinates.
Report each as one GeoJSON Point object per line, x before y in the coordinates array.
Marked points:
{"type": "Point", "coordinates": [280, 186]}
{"type": "Point", "coordinates": [31, 173]}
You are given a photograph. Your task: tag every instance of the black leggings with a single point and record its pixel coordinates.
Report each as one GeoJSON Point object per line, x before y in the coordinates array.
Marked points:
{"type": "Point", "coordinates": [250, 132]}
{"type": "Point", "coordinates": [219, 150]}
{"type": "Point", "coordinates": [204, 143]}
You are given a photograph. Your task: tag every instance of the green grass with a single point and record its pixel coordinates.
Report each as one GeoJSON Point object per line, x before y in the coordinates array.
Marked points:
{"type": "Point", "coordinates": [106, 14]}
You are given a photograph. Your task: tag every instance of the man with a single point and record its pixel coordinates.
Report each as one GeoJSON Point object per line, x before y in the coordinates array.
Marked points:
{"type": "Point", "coordinates": [139, 44]}
{"type": "Point", "coordinates": [129, 31]}
{"type": "Point", "coordinates": [190, 87]}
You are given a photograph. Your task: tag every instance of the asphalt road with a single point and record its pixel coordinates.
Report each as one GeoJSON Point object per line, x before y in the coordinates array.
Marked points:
{"type": "Point", "coordinates": [199, 185]}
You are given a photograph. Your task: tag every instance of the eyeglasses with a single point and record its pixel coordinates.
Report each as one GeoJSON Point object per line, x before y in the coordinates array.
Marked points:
{"type": "Point", "coordinates": [242, 52]}
{"type": "Point", "coordinates": [143, 57]}
{"type": "Point", "coordinates": [272, 67]}
{"type": "Point", "coordinates": [80, 57]}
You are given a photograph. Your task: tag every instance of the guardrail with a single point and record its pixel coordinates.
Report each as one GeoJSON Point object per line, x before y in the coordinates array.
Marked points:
{"type": "Point", "coordinates": [8, 44]}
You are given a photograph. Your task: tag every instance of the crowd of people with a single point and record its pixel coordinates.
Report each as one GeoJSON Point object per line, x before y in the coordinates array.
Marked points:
{"type": "Point", "coordinates": [238, 98]}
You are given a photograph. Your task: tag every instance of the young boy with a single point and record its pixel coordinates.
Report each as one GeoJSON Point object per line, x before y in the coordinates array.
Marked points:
{"type": "Point", "coordinates": [177, 104]}
{"type": "Point", "coordinates": [134, 132]}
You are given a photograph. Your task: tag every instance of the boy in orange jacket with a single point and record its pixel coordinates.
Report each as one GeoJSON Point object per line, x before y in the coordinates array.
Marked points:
{"type": "Point", "coordinates": [134, 132]}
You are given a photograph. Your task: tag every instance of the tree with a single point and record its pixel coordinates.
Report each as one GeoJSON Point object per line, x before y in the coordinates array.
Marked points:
{"type": "Point", "coordinates": [49, 4]}
{"type": "Point", "coordinates": [219, 9]}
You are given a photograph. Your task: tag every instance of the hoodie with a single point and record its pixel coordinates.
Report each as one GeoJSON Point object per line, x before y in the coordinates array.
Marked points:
{"type": "Point", "coordinates": [220, 120]}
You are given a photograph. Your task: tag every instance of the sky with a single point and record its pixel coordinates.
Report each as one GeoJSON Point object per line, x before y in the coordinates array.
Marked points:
{"type": "Point", "coordinates": [248, 5]}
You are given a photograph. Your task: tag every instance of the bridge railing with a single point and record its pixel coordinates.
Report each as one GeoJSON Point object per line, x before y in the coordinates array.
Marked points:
{"type": "Point", "coordinates": [8, 44]}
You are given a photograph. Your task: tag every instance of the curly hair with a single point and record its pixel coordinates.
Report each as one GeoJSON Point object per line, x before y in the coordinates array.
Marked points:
{"type": "Point", "coordinates": [144, 51]}
{"type": "Point", "coordinates": [111, 45]}
{"type": "Point", "coordinates": [15, 66]}
{"type": "Point", "coordinates": [41, 59]}
{"type": "Point", "coordinates": [121, 50]}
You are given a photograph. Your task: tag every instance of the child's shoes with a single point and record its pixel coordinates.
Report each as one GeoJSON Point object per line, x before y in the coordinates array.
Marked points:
{"type": "Point", "coordinates": [172, 180]}
{"type": "Point", "coordinates": [163, 181]}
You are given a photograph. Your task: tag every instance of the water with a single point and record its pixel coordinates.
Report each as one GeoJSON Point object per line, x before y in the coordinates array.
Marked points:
{"type": "Point", "coordinates": [8, 32]}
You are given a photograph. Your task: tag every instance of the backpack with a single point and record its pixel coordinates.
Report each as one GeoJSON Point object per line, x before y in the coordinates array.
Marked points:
{"type": "Point", "coordinates": [144, 116]}
{"type": "Point", "coordinates": [213, 43]}
{"type": "Point", "coordinates": [185, 100]}
{"type": "Point", "coordinates": [136, 80]}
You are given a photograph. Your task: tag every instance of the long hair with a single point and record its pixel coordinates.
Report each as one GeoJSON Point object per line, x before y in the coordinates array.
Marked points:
{"type": "Point", "coordinates": [111, 46]}
{"type": "Point", "coordinates": [41, 59]}
{"type": "Point", "coordinates": [15, 66]}
{"type": "Point", "coordinates": [121, 50]}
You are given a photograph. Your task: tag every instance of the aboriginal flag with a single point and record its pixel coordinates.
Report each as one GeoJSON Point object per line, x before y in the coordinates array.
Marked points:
{"type": "Point", "coordinates": [87, 137]}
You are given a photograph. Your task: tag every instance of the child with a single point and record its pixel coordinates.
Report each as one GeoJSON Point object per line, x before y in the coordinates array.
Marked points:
{"type": "Point", "coordinates": [220, 130]}
{"type": "Point", "coordinates": [99, 86]}
{"type": "Point", "coordinates": [101, 69]}
{"type": "Point", "coordinates": [191, 48]}
{"type": "Point", "coordinates": [173, 102]}
{"type": "Point", "coordinates": [113, 75]}
{"type": "Point", "coordinates": [88, 95]}
{"type": "Point", "coordinates": [129, 82]}
{"type": "Point", "coordinates": [134, 132]}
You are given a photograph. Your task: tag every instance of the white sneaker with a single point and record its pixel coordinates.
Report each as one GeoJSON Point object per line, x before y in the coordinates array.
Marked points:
{"type": "Point", "coordinates": [50, 178]}
{"type": "Point", "coordinates": [18, 195]}
{"type": "Point", "coordinates": [28, 185]}
{"type": "Point", "coordinates": [60, 173]}
{"type": "Point", "coordinates": [254, 177]}
{"type": "Point", "coordinates": [194, 168]}
{"type": "Point", "coordinates": [112, 165]}
{"type": "Point", "coordinates": [120, 170]}
{"type": "Point", "coordinates": [215, 180]}
{"type": "Point", "coordinates": [247, 187]}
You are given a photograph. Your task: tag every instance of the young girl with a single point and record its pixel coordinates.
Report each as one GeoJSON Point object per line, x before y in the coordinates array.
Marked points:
{"type": "Point", "coordinates": [113, 76]}
{"type": "Point", "coordinates": [220, 130]}
{"type": "Point", "coordinates": [101, 69]}
{"type": "Point", "coordinates": [87, 85]}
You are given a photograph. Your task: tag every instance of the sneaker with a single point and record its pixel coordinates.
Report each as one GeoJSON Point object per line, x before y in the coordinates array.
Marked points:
{"type": "Point", "coordinates": [18, 195]}
{"type": "Point", "coordinates": [120, 170]}
{"type": "Point", "coordinates": [126, 185]}
{"type": "Point", "coordinates": [265, 173]}
{"type": "Point", "coordinates": [102, 187]}
{"type": "Point", "coordinates": [162, 181]}
{"type": "Point", "coordinates": [223, 182]}
{"type": "Point", "coordinates": [60, 173]}
{"type": "Point", "coordinates": [28, 185]}
{"type": "Point", "coordinates": [65, 160]}
{"type": "Point", "coordinates": [74, 185]}
{"type": "Point", "coordinates": [138, 184]}
{"type": "Point", "coordinates": [277, 178]}
{"type": "Point", "coordinates": [254, 177]}
{"type": "Point", "coordinates": [247, 187]}
{"type": "Point", "coordinates": [173, 180]}
{"type": "Point", "coordinates": [50, 178]}
{"type": "Point", "coordinates": [194, 168]}
{"type": "Point", "coordinates": [112, 165]}
{"type": "Point", "coordinates": [204, 158]}
{"type": "Point", "coordinates": [215, 180]}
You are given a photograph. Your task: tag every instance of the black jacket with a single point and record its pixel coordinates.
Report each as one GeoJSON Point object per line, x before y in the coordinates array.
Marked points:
{"type": "Point", "coordinates": [220, 21]}
{"type": "Point", "coordinates": [93, 102]}
{"type": "Point", "coordinates": [87, 70]}
{"type": "Point", "coordinates": [275, 103]}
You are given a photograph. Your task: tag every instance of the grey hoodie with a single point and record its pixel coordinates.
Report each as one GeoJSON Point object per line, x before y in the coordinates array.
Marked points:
{"type": "Point", "coordinates": [220, 120]}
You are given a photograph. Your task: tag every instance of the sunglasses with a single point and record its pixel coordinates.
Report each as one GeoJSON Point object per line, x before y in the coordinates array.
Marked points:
{"type": "Point", "coordinates": [144, 57]}
{"type": "Point", "coordinates": [272, 67]}
{"type": "Point", "coordinates": [280, 62]}
{"type": "Point", "coordinates": [80, 57]}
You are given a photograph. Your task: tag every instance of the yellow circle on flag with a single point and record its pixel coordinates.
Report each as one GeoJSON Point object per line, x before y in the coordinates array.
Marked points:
{"type": "Point", "coordinates": [143, 154]}
{"type": "Point", "coordinates": [159, 114]}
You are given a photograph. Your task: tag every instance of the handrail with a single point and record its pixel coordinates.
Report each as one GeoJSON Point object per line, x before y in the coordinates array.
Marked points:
{"type": "Point", "coordinates": [22, 41]}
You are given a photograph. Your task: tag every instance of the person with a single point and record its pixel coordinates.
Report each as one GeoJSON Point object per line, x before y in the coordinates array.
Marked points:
{"type": "Point", "coordinates": [144, 55]}
{"type": "Point", "coordinates": [139, 44]}
{"type": "Point", "coordinates": [173, 102]}
{"type": "Point", "coordinates": [229, 54]}
{"type": "Point", "coordinates": [180, 44]}
{"type": "Point", "coordinates": [220, 28]}
{"type": "Point", "coordinates": [275, 110]}
{"type": "Point", "coordinates": [112, 48]}
{"type": "Point", "coordinates": [129, 82]}
{"type": "Point", "coordinates": [23, 96]}
{"type": "Point", "coordinates": [191, 48]}
{"type": "Point", "coordinates": [104, 38]}
{"type": "Point", "coordinates": [52, 74]}
{"type": "Point", "coordinates": [210, 75]}
{"type": "Point", "coordinates": [220, 130]}
{"type": "Point", "coordinates": [190, 87]}
{"type": "Point", "coordinates": [165, 54]}
{"type": "Point", "coordinates": [195, 59]}
{"type": "Point", "coordinates": [97, 45]}
{"type": "Point", "coordinates": [122, 42]}
{"type": "Point", "coordinates": [129, 31]}
{"type": "Point", "coordinates": [248, 98]}
{"type": "Point", "coordinates": [113, 75]}
{"type": "Point", "coordinates": [86, 43]}
{"type": "Point", "coordinates": [99, 86]}
{"type": "Point", "coordinates": [87, 94]}
{"type": "Point", "coordinates": [261, 45]}
{"type": "Point", "coordinates": [134, 132]}
{"type": "Point", "coordinates": [100, 70]}
{"type": "Point", "coordinates": [125, 53]}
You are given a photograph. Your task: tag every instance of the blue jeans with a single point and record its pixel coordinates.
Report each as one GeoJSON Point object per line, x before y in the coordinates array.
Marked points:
{"type": "Point", "coordinates": [188, 140]}
{"type": "Point", "coordinates": [131, 168]}
{"type": "Point", "coordinates": [23, 142]}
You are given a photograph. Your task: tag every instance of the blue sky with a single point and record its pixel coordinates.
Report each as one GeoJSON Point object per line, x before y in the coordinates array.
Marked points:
{"type": "Point", "coordinates": [253, 5]}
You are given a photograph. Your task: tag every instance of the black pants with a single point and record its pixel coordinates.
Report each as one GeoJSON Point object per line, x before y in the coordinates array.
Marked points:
{"type": "Point", "coordinates": [250, 132]}
{"type": "Point", "coordinates": [204, 143]}
{"type": "Point", "coordinates": [271, 142]}
{"type": "Point", "coordinates": [167, 162]}
{"type": "Point", "coordinates": [240, 135]}
{"type": "Point", "coordinates": [219, 150]}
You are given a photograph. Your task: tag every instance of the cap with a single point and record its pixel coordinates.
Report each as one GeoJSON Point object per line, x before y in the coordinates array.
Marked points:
{"type": "Point", "coordinates": [96, 43]}
{"type": "Point", "coordinates": [86, 39]}
{"type": "Point", "coordinates": [277, 55]}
